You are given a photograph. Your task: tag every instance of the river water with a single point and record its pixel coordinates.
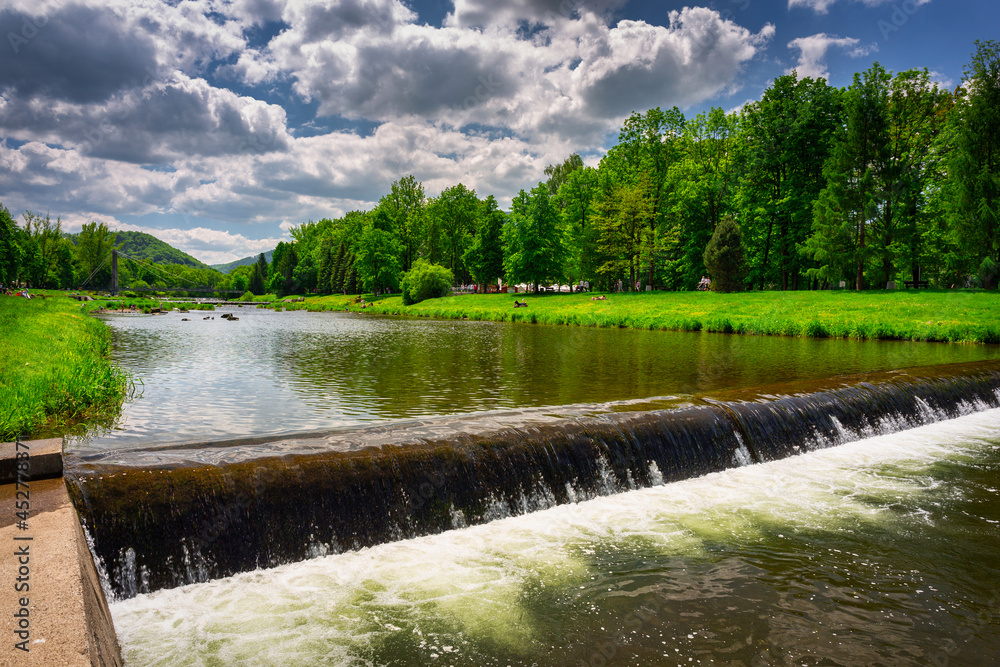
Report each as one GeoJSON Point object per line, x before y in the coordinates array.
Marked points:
{"type": "Point", "coordinates": [885, 551]}
{"type": "Point", "coordinates": [280, 372]}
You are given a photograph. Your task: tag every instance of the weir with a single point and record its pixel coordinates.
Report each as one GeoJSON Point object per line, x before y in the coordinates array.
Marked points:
{"type": "Point", "coordinates": [167, 517]}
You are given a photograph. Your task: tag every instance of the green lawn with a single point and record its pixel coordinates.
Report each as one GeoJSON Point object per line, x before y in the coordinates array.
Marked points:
{"type": "Point", "coordinates": [952, 316]}
{"type": "Point", "coordinates": [56, 368]}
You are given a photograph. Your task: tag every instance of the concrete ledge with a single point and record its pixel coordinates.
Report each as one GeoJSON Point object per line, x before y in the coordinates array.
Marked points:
{"type": "Point", "coordinates": [61, 605]}
{"type": "Point", "coordinates": [45, 457]}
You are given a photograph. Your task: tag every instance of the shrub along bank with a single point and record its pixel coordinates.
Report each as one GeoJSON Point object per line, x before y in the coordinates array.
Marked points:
{"type": "Point", "coordinates": [56, 367]}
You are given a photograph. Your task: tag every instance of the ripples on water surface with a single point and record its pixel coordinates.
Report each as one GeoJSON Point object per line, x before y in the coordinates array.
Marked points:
{"type": "Point", "coordinates": [272, 373]}
{"type": "Point", "coordinates": [884, 551]}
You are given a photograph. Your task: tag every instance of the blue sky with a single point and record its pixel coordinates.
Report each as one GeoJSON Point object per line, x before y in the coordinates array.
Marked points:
{"type": "Point", "coordinates": [218, 125]}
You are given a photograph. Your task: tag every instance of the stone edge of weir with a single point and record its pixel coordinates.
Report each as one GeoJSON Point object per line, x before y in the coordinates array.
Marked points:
{"type": "Point", "coordinates": [47, 564]}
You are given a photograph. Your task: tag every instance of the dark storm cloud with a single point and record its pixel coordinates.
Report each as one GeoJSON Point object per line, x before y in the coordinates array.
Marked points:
{"type": "Point", "coordinates": [78, 54]}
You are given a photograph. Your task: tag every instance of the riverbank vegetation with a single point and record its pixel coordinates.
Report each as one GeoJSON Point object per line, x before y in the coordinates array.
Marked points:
{"type": "Point", "coordinates": [890, 180]}
{"type": "Point", "coordinates": [958, 317]}
{"type": "Point", "coordinates": [56, 369]}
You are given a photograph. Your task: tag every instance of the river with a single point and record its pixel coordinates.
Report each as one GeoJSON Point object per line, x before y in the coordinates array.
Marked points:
{"type": "Point", "coordinates": [885, 550]}
{"type": "Point", "coordinates": [272, 373]}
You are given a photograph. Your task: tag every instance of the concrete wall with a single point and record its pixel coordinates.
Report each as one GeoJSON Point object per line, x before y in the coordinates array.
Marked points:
{"type": "Point", "coordinates": [60, 610]}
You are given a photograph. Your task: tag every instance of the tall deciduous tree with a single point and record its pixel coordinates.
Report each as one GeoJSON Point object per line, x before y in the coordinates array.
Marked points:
{"type": "Point", "coordinates": [701, 184]}
{"type": "Point", "coordinates": [575, 199]}
{"type": "Point", "coordinates": [854, 197]}
{"type": "Point", "coordinates": [623, 211]}
{"type": "Point", "coordinates": [559, 173]}
{"type": "Point", "coordinates": [975, 161]}
{"type": "Point", "coordinates": [785, 140]}
{"type": "Point", "coordinates": [484, 258]}
{"type": "Point", "coordinates": [404, 204]}
{"type": "Point", "coordinates": [93, 247]}
{"type": "Point", "coordinates": [377, 262]}
{"type": "Point", "coordinates": [916, 118]}
{"type": "Point", "coordinates": [11, 252]}
{"type": "Point", "coordinates": [648, 147]}
{"type": "Point", "coordinates": [533, 244]}
{"type": "Point", "coordinates": [454, 214]}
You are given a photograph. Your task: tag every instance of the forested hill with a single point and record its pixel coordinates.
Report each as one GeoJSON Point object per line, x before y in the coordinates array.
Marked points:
{"type": "Point", "coordinates": [246, 261]}
{"type": "Point", "coordinates": [145, 246]}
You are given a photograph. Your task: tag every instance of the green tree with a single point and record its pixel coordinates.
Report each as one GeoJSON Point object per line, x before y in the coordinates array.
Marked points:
{"type": "Point", "coordinates": [426, 281]}
{"type": "Point", "coordinates": [974, 162]}
{"type": "Point", "coordinates": [852, 201]}
{"type": "Point", "coordinates": [724, 257]}
{"type": "Point", "coordinates": [11, 250]}
{"type": "Point", "coordinates": [785, 139]}
{"type": "Point", "coordinates": [239, 278]}
{"type": "Point", "coordinates": [377, 263]}
{"type": "Point", "coordinates": [93, 249]}
{"type": "Point", "coordinates": [649, 145]}
{"type": "Point", "coordinates": [454, 213]}
{"type": "Point", "coordinates": [575, 201]}
{"type": "Point", "coordinates": [621, 216]}
{"type": "Point", "coordinates": [559, 173]}
{"type": "Point", "coordinates": [258, 276]}
{"type": "Point", "coordinates": [282, 270]}
{"type": "Point", "coordinates": [701, 184]}
{"type": "Point", "coordinates": [916, 119]}
{"type": "Point", "coordinates": [404, 204]}
{"type": "Point", "coordinates": [327, 268]}
{"type": "Point", "coordinates": [533, 244]}
{"type": "Point", "coordinates": [484, 258]}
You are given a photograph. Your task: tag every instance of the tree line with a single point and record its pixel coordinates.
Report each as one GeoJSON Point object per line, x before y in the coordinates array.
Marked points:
{"type": "Point", "coordinates": [892, 178]}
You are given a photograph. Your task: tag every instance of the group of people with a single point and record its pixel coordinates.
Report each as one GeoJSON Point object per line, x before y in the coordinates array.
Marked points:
{"type": "Point", "coordinates": [704, 284]}
{"type": "Point", "coordinates": [11, 291]}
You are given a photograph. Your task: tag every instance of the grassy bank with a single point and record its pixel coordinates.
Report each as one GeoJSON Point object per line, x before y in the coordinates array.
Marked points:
{"type": "Point", "coordinates": [951, 316]}
{"type": "Point", "coordinates": [56, 368]}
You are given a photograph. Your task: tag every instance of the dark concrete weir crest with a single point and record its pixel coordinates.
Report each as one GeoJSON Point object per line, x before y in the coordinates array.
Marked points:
{"type": "Point", "coordinates": [162, 519]}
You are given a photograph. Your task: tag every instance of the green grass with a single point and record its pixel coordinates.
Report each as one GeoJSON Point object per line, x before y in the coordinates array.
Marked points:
{"type": "Point", "coordinates": [56, 368]}
{"type": "Point", "coordinates": [334, 302]}
{"type": "Point", "coordinates": [950, 316]}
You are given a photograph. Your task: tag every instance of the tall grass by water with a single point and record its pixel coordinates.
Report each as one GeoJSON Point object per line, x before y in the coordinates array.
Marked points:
{"type": "Point", "coordinates": [949, 316]}
{"type": "Point", "coordinates": [56, 368]}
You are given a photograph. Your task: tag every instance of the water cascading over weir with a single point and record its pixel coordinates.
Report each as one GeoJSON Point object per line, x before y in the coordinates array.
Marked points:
{"type": "Point", "coordinates": [171, 516]}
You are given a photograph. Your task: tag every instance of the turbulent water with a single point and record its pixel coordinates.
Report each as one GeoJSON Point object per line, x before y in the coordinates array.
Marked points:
{"type": "Point", "coordinates": [881, 551]}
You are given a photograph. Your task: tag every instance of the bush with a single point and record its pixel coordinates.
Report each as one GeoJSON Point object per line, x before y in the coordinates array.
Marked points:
{"type": "Point", "coordinates": [247, 296]}
{"type": "Point", "coordinates": [426, 281]}
{"type": "Point", "coordinates": [724, 257]}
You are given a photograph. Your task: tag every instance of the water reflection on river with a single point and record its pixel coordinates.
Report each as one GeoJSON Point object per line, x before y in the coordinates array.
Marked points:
{"type": "Point", "coordinates": [272, 373]}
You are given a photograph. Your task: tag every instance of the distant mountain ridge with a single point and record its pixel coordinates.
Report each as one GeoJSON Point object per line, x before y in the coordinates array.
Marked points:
{"type": "Point", "coordinates": [246, 261]}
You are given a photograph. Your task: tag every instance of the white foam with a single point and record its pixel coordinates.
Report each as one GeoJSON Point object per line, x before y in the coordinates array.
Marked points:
{"type": "Point", "coordinates": [475, 577]}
